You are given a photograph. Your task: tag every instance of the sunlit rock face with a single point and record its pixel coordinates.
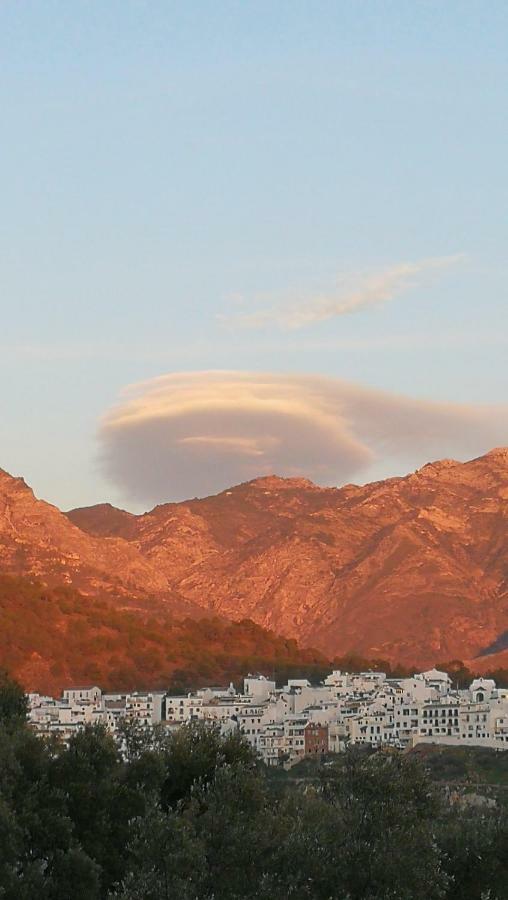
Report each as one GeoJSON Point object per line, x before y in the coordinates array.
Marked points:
{"type": "Point", "coordinates": [37, 539]}
{"type": "Point", "coordinates": [411, 569]}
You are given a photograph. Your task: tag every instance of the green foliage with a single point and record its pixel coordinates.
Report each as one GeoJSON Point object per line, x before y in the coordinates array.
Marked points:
{"type": "Point", "coordinates": [99, 802]}
{"type": "Point", "coordinates": [387, 810]}
{"type": "Point", "coordinates": [193, 815]}
{"type": "Point", "coordinates": [474, 847]}
{"type": "Point", "coordinates": [137, 739]}
{"type": "Point", "coordinates": [13, 702]}
{"type": "Point", "coordinates": [167, 859]}
{"type": "Point", "coordinates": [195, 754]}
{"type": "Point", "coordinates": [38, 851]}
{"type": "Point", "coordinates": [465, 765]}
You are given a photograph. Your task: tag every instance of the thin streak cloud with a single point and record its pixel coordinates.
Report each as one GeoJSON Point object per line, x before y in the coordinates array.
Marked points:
{"type": "Point", "coordinates": [192, 434]}
{"type": "Point", "coordinates": [371, 290]}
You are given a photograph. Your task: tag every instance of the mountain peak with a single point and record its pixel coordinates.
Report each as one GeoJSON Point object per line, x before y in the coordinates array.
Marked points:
{"type": "Point", "coordinates": [497, 453]}
{"type": "Point", "coordinates": [438, 464]}
{"type": "Point", "coordinates": [103, 520]}
{"type": "Point", "coordinates": [9, 483]}
{"type": "Point", "coordinates": [279, 483]}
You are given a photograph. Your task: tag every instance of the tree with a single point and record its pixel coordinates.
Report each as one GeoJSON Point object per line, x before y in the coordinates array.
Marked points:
{"type": "Point", "coordinates": [136, 738]}
{"type": "Point", "coordinates": [198, 839]}
{"type": "Point", "coordinates": [364, 833]}
{"type": "Point", "coordinates": [237, 824]}
{"type": "Point", "coordinates": [167, 859]}
{"type": "Point", "coordinates": [194, 754]}
{"type": "Point", "coordinates": [100, 803]}
{"type": "Point", "coordinates": [385, 811]}
{"type": "Point", "coordinates": [13, 702]}
{"type": "Point", "coordinates": [474, 845]}
{"type": "Point", "coordinates": [38, 851]}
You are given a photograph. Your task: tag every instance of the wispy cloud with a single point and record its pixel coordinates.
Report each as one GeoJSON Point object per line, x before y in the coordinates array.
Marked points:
{"type": "Point", "coordinates": [367, 291]}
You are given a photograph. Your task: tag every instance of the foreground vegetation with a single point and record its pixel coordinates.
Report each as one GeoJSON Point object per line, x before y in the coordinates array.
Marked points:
{"type": "Point", "coordinates": [196, 817]}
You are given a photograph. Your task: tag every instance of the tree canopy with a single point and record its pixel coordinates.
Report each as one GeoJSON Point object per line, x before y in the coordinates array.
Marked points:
{"type": "Point", "coordinates": [196, 816]}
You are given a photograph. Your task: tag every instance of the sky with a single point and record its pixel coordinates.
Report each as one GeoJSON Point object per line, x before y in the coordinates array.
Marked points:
{"type": "Point", "coordinates": [241, 237]}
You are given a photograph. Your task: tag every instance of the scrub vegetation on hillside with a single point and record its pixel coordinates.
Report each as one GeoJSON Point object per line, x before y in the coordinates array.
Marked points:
{"type": "Point", "coordinates": [53, 637]}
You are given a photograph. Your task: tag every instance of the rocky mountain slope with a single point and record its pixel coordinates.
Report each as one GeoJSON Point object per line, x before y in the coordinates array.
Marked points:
{"type": "Point", "coordinates": [39, 541]}
{"type": "Point", "coordinates": [411, 569]}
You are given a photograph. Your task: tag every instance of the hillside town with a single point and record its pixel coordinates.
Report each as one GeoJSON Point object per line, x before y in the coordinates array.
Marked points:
{"type": "Point", "coordinates": [285, 725]}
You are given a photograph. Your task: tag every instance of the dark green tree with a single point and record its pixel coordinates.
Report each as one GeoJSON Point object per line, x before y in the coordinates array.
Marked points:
{"type": "Point", "coordinates": [100, 802]}
{"type": "Point", "coordinates": [195, 753]}
{"type": "Point", "coordinates": [474, 843]}
{"type": "Point", "coordinates": [13, 702]}
{"type": "Point", "coordinates": [237, 824]}
{"type": "Point", "coordinates": [365, 832]}
{"type": "Point", "coordinates": [38, 849]}
{"type": "Point", "coordinates": [167, 858]}
{"type": "Point", "coordinates": [385, 809]}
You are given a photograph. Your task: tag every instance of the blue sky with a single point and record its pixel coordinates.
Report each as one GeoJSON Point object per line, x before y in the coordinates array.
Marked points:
{"type": "Point", "coordinates": [169, 167]}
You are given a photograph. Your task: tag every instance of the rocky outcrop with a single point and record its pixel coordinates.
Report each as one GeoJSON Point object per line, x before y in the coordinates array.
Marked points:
{"type": "Point", "coordinates": [38, 540]}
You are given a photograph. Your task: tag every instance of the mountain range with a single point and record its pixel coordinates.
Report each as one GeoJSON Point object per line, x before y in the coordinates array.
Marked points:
{"type": "Point", "coordinates": [411, 569]}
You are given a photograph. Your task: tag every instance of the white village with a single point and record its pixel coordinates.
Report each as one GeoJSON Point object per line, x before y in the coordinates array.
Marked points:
{"type": "Point", "coordinates": [285, 725]}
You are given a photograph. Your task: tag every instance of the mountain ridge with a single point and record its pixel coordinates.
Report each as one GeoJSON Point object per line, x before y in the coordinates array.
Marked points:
{"type": "Point", "coordinates": [412, 569]}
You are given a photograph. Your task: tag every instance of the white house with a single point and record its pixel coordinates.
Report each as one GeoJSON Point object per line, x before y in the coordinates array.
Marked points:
{"type": "Point", "coordinates": [85, 693]}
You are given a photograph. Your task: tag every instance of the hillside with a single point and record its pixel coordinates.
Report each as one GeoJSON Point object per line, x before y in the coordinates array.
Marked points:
{"type": "Point", "coordinates": [51, 638]}
{"type": "Point", "coordinates": [413, 569]}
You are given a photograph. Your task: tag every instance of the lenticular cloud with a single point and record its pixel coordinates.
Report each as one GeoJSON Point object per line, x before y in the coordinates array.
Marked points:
{"type": "Point", "coordinates": [192, 434]}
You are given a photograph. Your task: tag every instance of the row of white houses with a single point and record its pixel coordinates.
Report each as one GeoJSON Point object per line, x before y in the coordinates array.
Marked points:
{"type": "Point", "coordinates": [286, 724]}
